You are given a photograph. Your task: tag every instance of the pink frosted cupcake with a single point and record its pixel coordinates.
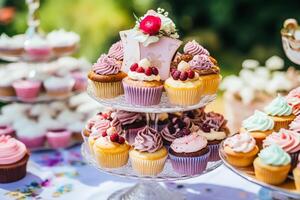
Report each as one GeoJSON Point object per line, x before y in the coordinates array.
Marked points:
{"type": "Point", "coordinates": [59, 86]}
{"type": "Point", "coordinates": [288, 140]}
{"type": "Point", "coordinates": [32, 137]}
{"type": "Point", "coordinates": [7, 130]}
{"type": "Point", "coordinates": [293, 99]}
{"type": "Point", "coordinates": [37, 49]}
{"type": "Point", "coordinates": [27, 90]}
{"type": "Point", "coordinates": [59, 138]}
{"type": "Point", "coordinates": [80, 81]}
{"type": "Point", "coordinates": [143, 85]}
{"type": "Point", "coordinates": [189, 154]}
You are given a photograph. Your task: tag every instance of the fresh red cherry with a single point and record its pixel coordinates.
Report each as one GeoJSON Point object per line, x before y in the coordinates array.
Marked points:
{"type": "Point", "coordinates": [104, 134]}
{"type": "Point", "coordinates": [121, 140]}
{"type": "Point", "coordinates": [114, 137]}
{"type": "Point", "coordinates": [176, 75]}
{"type": "Point", "coordinates": [133, 67]}
{"type": "Point", "coordinates": [155, 71]}
{"type": "Point", "coordinates": [191, 74]}
{"type": "Point", "coordinates": [183, 76]}
{"type": "Point", "coordinates": [148, 71]}
{"type": "Point", "coordinates": [140, 70]}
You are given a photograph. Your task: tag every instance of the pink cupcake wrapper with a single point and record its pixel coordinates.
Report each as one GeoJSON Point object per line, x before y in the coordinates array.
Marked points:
{"type": "Point", "coordinates": [33, 142]}
{"type": "Point", "coordinates": [189, 165]}
{"type": "Point", "coordinates": [214, 152]}
{"type": "Point", "coordinates": [27, 93]}
{"type": "Point", "coordinates": [142, 95]}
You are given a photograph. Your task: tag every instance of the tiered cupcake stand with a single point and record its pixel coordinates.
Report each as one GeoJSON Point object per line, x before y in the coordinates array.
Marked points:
{"type": "Point", "coordinates": [33, 31]}
{"type": "Point", "coordinates": [147, 187]}
{"type": "Point", "coordinates": [286, 191]}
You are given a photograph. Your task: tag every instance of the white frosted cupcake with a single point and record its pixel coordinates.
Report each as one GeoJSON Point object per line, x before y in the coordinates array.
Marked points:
{"type": "Point", "coordinates": [59, 86]}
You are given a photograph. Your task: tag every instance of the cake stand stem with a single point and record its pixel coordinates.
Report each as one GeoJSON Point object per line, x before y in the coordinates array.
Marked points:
{"type": "Point", "coordinates": [147, 190]}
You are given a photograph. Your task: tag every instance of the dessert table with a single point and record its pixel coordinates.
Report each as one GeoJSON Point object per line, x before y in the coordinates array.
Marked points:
{"type": "Point", "coordinates": [64, 175]}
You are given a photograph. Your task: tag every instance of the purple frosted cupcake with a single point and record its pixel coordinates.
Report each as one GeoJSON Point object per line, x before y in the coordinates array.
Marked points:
{"type": "Point", "coordinates": [189, 154]}
{"type": "Point", "coordinates": [143, 85]}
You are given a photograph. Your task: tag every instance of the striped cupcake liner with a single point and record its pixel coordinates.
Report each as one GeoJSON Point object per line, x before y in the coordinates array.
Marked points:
{"type": "Point", "coordinates": [189, 165]}
{"type": "Point", "coordinates": [214, 152]}
{"type": "Point", "coordinates": [111, 160]}
{"type": "Point", "coordinates": [184, 96]}
{"type": "Point", "coordinates": [147, 167]}
{"type": "Point", "coordinates": [142, 95]}
{"type": "Point", "coordinates": [106, 90]}
{"type": "Point", "coordinates": [210, 85]}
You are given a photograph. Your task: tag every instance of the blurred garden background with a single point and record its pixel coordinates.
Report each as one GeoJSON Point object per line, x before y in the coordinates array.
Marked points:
{"type": "Point", "coordinates": [231, 30]}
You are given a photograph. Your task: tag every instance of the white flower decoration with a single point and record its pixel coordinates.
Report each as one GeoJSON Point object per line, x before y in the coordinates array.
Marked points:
{"type": "Point", "coordinates": [250, 64]}
{"type": "Point", "coordinates": [275, 63]}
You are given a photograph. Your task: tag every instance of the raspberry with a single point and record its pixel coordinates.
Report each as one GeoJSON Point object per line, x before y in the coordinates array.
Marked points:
{"type": "Point", "coordinates": [104, 134]}
{"type": "Point", "coordinates": [140, 70]}
{"type": "Point", "coordinates": [148, 71]}
{"type": "Point", "coordinates": [173, 69]}
{"type": "Point", "coordinates": [191, 74]}
{"type": "Point", "coordinates": [133, 67]}
{"type": "Point", "coordinates": [176, 75]}
{"type": "Point", "coordinates": [121, 140]}
{"type": "Point", "coordinates": [155, 71]}
{"type": "Point", "coordinates": [105, 115]}
{"type": "Point", "coordinates": [205, 128]}
{"type": "Point", "coordinates": [114, 137]}
{"type": "Point", "coordinates": [183, 76]}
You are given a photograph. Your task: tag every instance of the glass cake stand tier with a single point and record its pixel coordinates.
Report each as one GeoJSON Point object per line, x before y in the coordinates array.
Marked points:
{"type": "Point", "coordinates": [285, 191]}
{"type": "Point", "coordinates": [119, 103]}
{"type": "Point", "coordinates": [148, 187]}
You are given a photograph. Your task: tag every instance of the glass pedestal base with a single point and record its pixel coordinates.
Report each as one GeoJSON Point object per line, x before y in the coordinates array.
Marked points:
{"type": "Point", "coordinates": [265, 194]}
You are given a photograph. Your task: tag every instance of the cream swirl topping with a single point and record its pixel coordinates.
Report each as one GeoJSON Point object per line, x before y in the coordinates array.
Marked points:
{"type": "Point", "coordinates": [116, 51]}
{"type": "Point", "coordinates": [295, 124]}
{"type": "Point", "coordinates": [148, 140]}
{"type": "Point", "coordinates": [106, 65]}
{"type": "Point", "coordinates": [189, 144]}
{"type": "Point", "coordinates": [242, 142]}
{"type": "Point", "coordinates": [143, 77]}
{"type": "Point", "coordinates": [194, 48]}
{"type": "Point", "coordinates": [274, 155]}
{"type": "Point", "coordinates": [213, 135]}
{"type": "Point", "coordinates": [258, 122]}
{"type": "Point", "coordinates": [11, 150]}
{"type": "Point", "coordinates": [279, 107]}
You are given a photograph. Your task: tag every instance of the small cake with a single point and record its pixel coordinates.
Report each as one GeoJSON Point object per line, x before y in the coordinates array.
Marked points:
{"type": "Point", "coordinates": [272, 165]}
{"type": "Point", "coordinates": [58, 138]}
{"type": "Point", "coordinates": [240, 149]}
{"type": "Point", "coordinates": [204, 65]}
{"type": "Point", "coordinates": [12, 46]}
{"type": "Point", "coordinates": [296, 173]}
{"type": "Point", "coordinates": [281, 112]}
{"type": "Point", "coordinates": [106, 77]}
{"type": "Point", "coordinates": [13, 159]}
{"type": "Point", "coordinates": [149, 155]}
{"type": "Point", "coordinates": [288, 140]}
{"type": "Point", "coordinates": [59, 86]}
{"type": "Point", "coordinates": [7, 130]}
{"type": "Point", "coordinates": [143, 85]}
{"type": "Point", "coordinates": [111, 151]}
{"type": "Point", "coordinates": [37, 48]}
{"type": "Point", "coordinates": [32, 136]}
{"type": "Point", "coordinates": [189, 154]}
{"type": "Point", "coordinates": [259, 125]}
{"type": "Point", "coordinates": [27, 90]}
{"type": "Point", "coordinates": [214, 129]}
{"type": "Point", "coordinates": [89, 125]}
{"type": "Point", "coordinates": [80, 81]}
{"type": "Point", "coordinates": [184, 87]}
{"type": "Point", "coordinates": [99, 129]}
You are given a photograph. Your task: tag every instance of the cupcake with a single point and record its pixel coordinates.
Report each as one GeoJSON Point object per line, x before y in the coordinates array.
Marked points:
{"type": "Point", "coordinates": [98, 130]}
{"type": "Point", "coordinates": [37, 49]}
{"type": "Point", "coordinates": [143, 85]}
{"type": "Point", "coordinates": [89, 125]}
{"type": "Point", "coordinates": [59, 86]}
{"type": "Point", "coordinates": [295, 125]}
{"type": "Point", "coordinates": [27, 90]}
{"type": "Point", "coordinates": [281, 113]}
{"type": "Point", "coordinates": [111, 151]}
{"type": "Point", "coordinates": [106, 77]}
{"type": "Point", "coordinates": [32, 136]}
{"type": "Point", "coordinates": [214, 129]}
{"type": "Point", "coordinates": [296, 173]}
{"type": "Point", "coordinates": [6, 88]}
{"type": "Point", "coordinates": [272, 165]}
{"type": "Point", "coordinates": [149, 155]}
{"type": "Point", "coordinates": [80, 81]}
{"type": "Point", "coordinates": [240, 149]}
{"type": "Point", "coordinates": [288, 140]}
{"type": "Point", "coordinates": [184, 87]}
{"type": "Point", "coordinates": [189, 154]}
{"type": "Point", "coordinates": [196, 116]}
{"type": "Point", "coordinates": [58, 138]}
{"type": "Point", "coordinates": [259, 125]}
{"type": "Point", "coordinates": [293, 98]}
{"type": "Point", "coordinates": [205, 66]}
{"type": "Point", "coordinates": [116, 51]}
{"type": "Point", "coordinates": [13, 159]}
{"type": "Point", "coordinates": [12, 46]}
{"type": "Point", "coordinates": [7, 130]}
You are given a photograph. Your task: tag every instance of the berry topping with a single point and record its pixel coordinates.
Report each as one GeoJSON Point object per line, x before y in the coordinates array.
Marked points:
{"type": "Point", "coordinates": [133, 67]}
{"type": "Point", "coordinates": [186, 131]}
{"type": "Point", "coordinates": [140, 70]}
{"type": "Point", "coordinates": [191, 74]}
{"type": "Point", "coordinates": [114, 137]}
{"type": "Point", "coordinates": [121, 140]}
{"type": "Point", "coordinates": [172, 70]}
{"type": "Point", "coordinates": [176, 75]}
{"type": "Point", "coordinates": [206, 128]}
{"type": "Point", "coordinates": [183, 76]}
{"type": "Point", "coordinates": [104, 134]}
{"type": "Point", "coordinates": [105, 115]}
{"type": "Point", "coordinates": [155, 71]}
{"type": "Point", "coordinates": [148, 71]}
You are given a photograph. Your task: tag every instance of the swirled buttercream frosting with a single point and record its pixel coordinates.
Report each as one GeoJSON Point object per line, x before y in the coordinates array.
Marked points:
{"type": "Point", "coordinates": [279, 107]}
{"type": "Point", "coordinates": [116, 51]}
{"type": "Point", "coordinates": [11, 150]}
{"type": "Point", "coordinates": [194, 48]}
{"type": "Point", "coordinates": [106, 65]}
{"type": "Point", "coordinates": [242, 142]}
{"type": "Point", "coordinates": [148, 140]}
{"type": "Point", "coordinates": [258, 122]}
{"type": "Point", "coordinates": [274, 155]}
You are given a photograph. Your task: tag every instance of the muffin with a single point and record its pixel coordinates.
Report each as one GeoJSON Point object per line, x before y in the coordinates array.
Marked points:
{"type": "Point", "coordinates": [111, 151]}
{"type": "Point", "coordinates": [240, 149]}
{"type": "Point", "coordinates": [106, 77]}
{"type": "Point", "coordinates": [27, 90]}
{"type": "Point", "coordinates": [259, 125]}
{"type": "Point", "coordinates": [143, 85]}
{"type": "Point", "coordinates": [148, 155]}
{"type": "Point", "coordinates": [288, 140]}
{"type": "Point", "coordinates": [296, 173]}
{"type": "Point", "coordinates": [7, 130]}
{"type": "Point", "coordinates": [13, 159]}
{"type": "Point", "coordinates": [205, 66]}
{"type": "Point", "coordinates": [272, 165]}
{"type": "Point", "coordinates": [189, 154]}
{"type": "Point", "coordinates": [59, 86]}
{"type": "Point", "coordinates": [184, 87]}
{"type": "Point", "coordinates": [281, 113]}
{"type": "Point", "coordinates": [58, 138]}
{"type": "Point", "coordinates": [214, 129]}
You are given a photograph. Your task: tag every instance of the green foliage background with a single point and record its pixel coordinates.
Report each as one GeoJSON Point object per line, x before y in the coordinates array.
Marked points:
{"type": "Point", "coordinates": [232, 30]}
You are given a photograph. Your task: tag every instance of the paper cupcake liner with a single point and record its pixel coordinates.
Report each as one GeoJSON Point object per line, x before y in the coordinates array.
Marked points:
{"type": "Point", "coordinates": [214, 152]}
{"type": "Point", "coordinates": [111, 160]}
{"type": "Point", "coordinates": [294, 159]}
{"type": "Point", "coordinates": [297, 178]}
{"type": "Point", "coordinates": [143, 96]}
{"type": "Point", "coordinates": [14, 172]}
{"type": "Point", "coordinates": [27, 93]}
{"type": "Point", "coordinates": [147, 167]}
{"type": "Point", "coordinates": [7, 91]}
{"type": "Point", "coordinates": [107, 90]}
{"type": "Point", "coordinates": [281, 124]}
{"type": "Point", "coordinates": [59, 142]}
{"type": "Point", "coordinates": [210, 83]}
{"type": "Point", "coordinates": [184, 96]}
{"type": "Point", "coordinates": [130, 134]}
{"type": "Point", "coordinates": [33, 142]}
{"type": "Point", "coordinates": [189, 165]}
